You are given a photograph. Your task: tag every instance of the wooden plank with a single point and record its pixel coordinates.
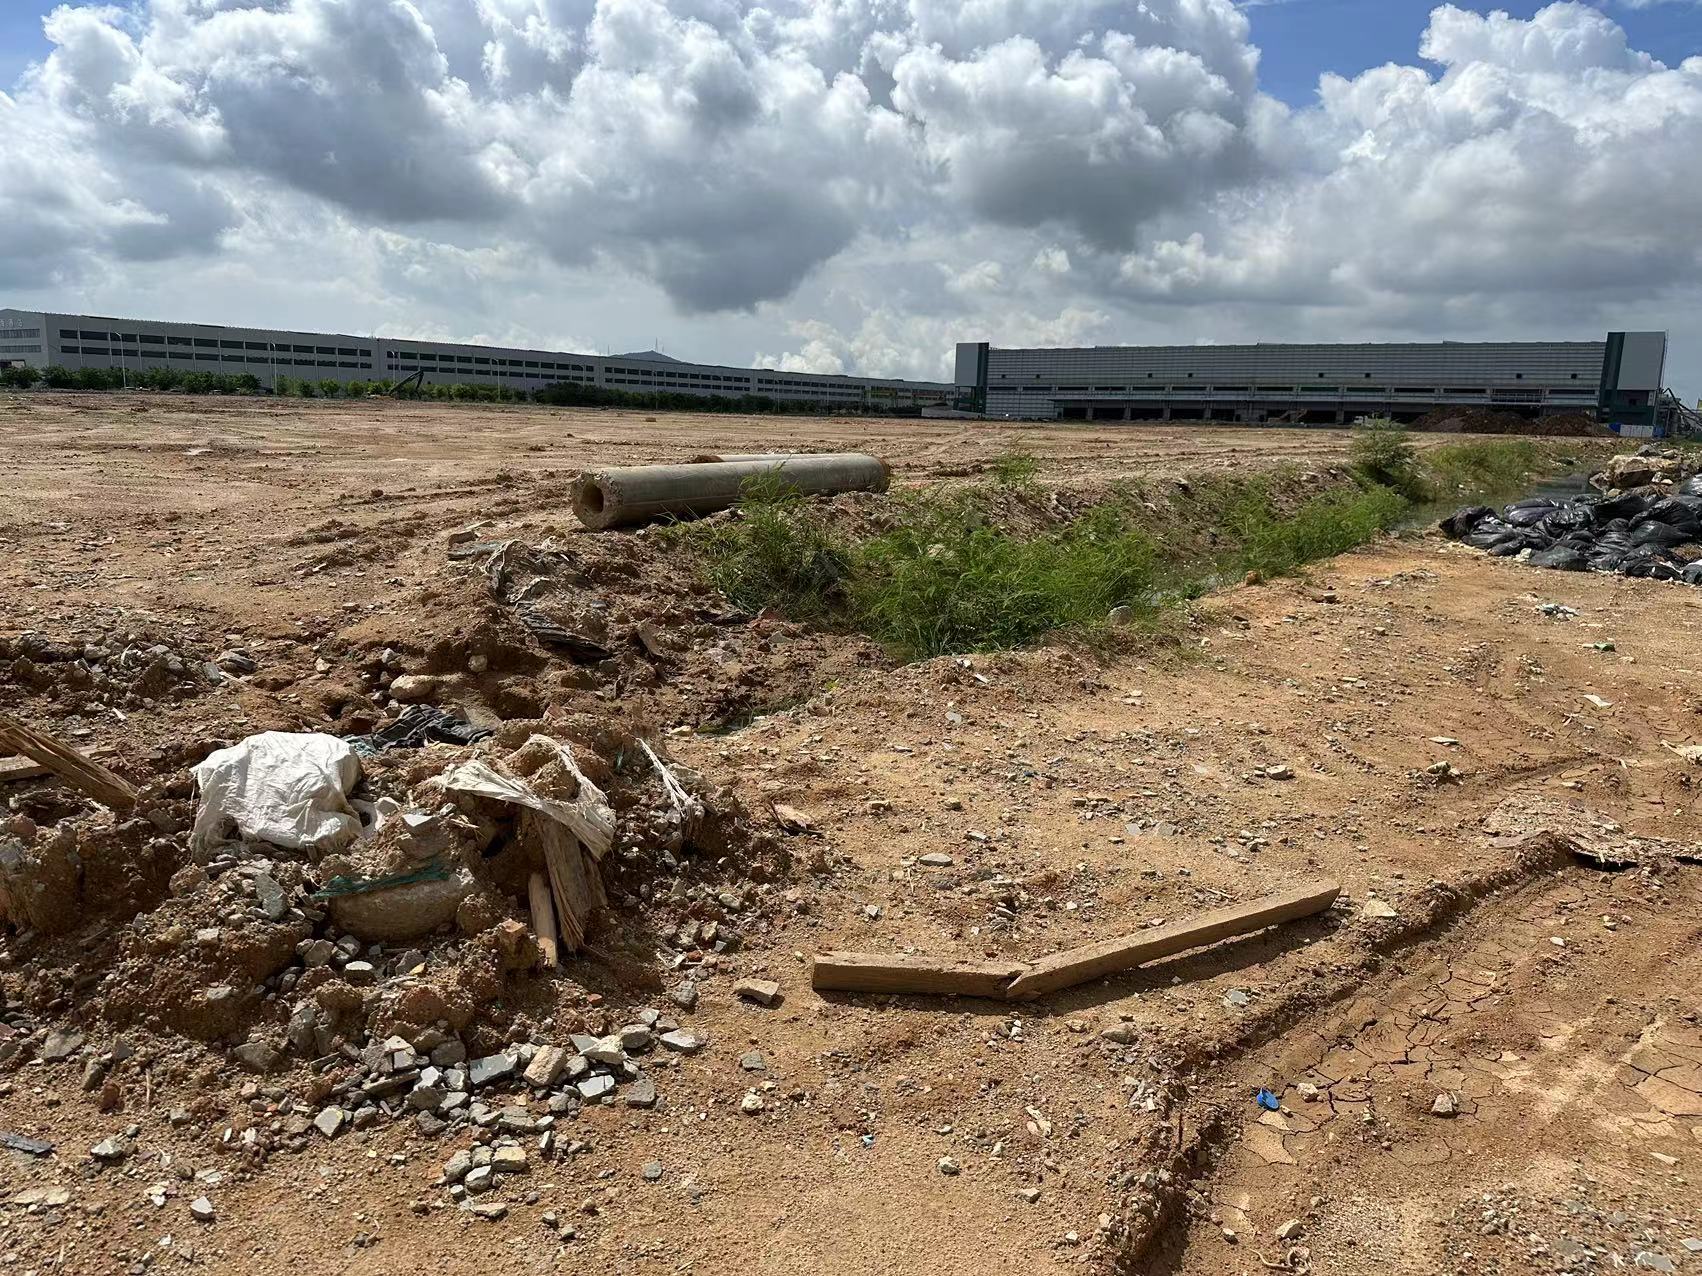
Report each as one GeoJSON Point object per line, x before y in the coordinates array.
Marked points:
{"type": "Point", "coordinates": [575, 883]}
{"type": "Point", "coordinates": [21, 769]}
{"type": "Point", "coordinates": [1110, 956]}
{"type": "Point", "coordinates": [879, 972]}
{"type": "Point", "coordinates": [543, 919]}
{"type": "Point", "coordinates": [66, 763]}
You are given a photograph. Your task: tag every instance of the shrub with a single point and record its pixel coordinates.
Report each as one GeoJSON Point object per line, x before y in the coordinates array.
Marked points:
{"type": "Point", "coordinates": [19, 378]}
{"type": "Point", "coordinates": [1382, 452]}
{"type": "Point", "coordinates": [57, 377]}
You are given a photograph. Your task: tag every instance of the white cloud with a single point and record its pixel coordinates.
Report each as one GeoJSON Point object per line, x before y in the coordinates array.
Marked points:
{"type": "Point", "coordinates": [851, 184]}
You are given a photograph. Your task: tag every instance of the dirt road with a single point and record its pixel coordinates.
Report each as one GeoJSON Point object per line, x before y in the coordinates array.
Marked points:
{"type": "Point", "coordinates": [1486, 1058]}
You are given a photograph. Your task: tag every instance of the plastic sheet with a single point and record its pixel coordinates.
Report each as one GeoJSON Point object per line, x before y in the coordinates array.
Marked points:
{"type": "Point", "coordinates": [288, 789]}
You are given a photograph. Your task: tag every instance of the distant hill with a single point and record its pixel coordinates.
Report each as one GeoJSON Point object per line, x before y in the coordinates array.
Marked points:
{"type": "Point", "coordinates": [652, 356]}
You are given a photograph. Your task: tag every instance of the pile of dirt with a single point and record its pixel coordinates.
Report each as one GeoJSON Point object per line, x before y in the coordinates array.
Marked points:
{"type": "Point", "coordinates": [1458, 420]}
{"type": "Point", "coordinates": [198, 951]}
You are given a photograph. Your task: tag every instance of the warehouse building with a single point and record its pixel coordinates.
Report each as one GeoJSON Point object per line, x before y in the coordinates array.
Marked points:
{"type": "Point", "coordinates": [91, 341]}
{"type": "Point", "coordinates": [1617, 379]}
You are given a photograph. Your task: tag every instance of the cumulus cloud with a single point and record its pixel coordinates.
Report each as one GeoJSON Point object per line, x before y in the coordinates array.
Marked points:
{"type": "Point", "coordinates": [851, 184]}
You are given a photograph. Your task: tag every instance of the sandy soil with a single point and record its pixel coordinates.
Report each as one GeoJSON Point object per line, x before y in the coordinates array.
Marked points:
{"type": "Point", "coordinates": [1479, 954]}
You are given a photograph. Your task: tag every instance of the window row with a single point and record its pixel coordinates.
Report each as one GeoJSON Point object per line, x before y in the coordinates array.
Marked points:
{"type": "Point", "coordinates": [428, 356]}
{"type": "Point", "coordinates": [264, 361]}
{"type": "Point", "coordinates": [19, 334]}
{"type": "Point", "coordinates": [208, 343]}
{"type": "Point", "coordinates": [20, 349]}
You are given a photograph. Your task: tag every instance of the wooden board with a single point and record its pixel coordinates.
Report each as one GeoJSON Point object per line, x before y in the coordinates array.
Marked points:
{"type": "Point", "coordinates": [66, 763]}
{"type": "Point", "coordinates": [21, 769]}
{"type": "Point", "coordinates": [1125, 952]}
{"type": "Point", "coordinates": [879, 972]}
{"type": "Point", "coordinates": [543, 919]}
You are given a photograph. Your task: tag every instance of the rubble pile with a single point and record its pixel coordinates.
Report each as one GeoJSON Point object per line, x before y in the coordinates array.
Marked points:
{"type": "Point", "coordinates": [111, 671]}
{"type": "Point", "coordinates": [352, 929]}
{"type": "Point", "coordinates": [1646, 522]}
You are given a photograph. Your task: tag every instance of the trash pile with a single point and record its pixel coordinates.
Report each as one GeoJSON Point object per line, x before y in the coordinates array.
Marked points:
{"type": "Point", "coordinates": [377, 923]}
{"type": "Point", "coordinates": [1646, 523]}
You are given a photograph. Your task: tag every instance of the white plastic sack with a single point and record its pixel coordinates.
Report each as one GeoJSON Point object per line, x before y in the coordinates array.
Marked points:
{"type": "Point", "coordinates": [588, 817]}
{"type": "Point", "coordinates": [290, 789]}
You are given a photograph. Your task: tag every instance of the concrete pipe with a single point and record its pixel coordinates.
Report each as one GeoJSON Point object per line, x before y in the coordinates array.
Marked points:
{"type": "Point", "coordinates": [721, 458]}
{"type": "Point", "coordinates": [620, 498]}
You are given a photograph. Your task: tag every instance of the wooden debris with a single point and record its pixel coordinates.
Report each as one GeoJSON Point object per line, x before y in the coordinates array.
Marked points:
{"type": "Point", "coordinates": [1022, 981]}
{"type": "Point", "coordinates": [1110, 956]}
{"type": "Point", "coordinates": [543, 919]}
{"type": "Point", "coordinates": [875, 972]}
{"type": "Point", "coordinates": [21, 769]}
{"type": "Point", "coordinates": [575, 884]}
{"type": "Point", "coordinates": [65, 762]}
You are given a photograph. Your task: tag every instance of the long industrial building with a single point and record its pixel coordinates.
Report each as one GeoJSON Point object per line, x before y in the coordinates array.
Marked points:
{"type": "Point", "coordinates": [1618, 379]}
{"type": "Point", "coordinates": [93, 341]}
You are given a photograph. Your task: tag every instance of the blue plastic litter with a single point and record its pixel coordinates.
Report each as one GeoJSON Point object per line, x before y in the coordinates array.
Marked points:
{"type": "Point", "coordinates": [1265, 1099]}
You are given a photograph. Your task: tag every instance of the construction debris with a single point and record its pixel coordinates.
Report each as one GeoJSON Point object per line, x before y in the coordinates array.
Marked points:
{"type": "Point", "coordinates": [65, 762]}
{"type": "Point", "coordinates": [1024, 981]}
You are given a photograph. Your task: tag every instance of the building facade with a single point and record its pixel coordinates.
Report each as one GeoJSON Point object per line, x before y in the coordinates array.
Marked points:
{"type": "Point", "coordinates": [43, 339]}
{"type": "Point", "coordinates": [1617, 379]}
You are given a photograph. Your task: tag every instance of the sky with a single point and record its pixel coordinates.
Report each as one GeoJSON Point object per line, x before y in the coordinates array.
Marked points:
{"type": "Point", "coordinates": [855, 185]}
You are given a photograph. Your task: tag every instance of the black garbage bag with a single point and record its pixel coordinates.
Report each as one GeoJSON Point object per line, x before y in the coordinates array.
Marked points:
{"type": "Point", "coordinates": [1457, 524]}
{"type": "Point", "coordinates": [1561, 558]}
{"type": "Point", "coordinates": [1582, 540]}
{"type": "Point", "coordinates": [1692, 573]}
{"type": "Point", "coordinates": [418, 726]}
{"type": "Point", "coordinates": [1487, 531]}
{"type": "Point", "coordinates": [1627, 504]}
{"type": "Point", "coordinates": [1567, 518]}
{"type": "Point", "coordinates": [1648, 562]}
{"type": "Point", "coordinates": [1661, 534]}
{"type": "Point", "coordinates": [1529, 513]}
{"type": "Point", "coordinates": [1675, 511]}
{"type": "Point", "coordinates": [1613, 525]}
{"type": "Point", "coordinates": [1509, 544]}
{"type": "Point", "coordinates": [1606, 560]}
{"type": "Point", "coordinates": [1691, 486]}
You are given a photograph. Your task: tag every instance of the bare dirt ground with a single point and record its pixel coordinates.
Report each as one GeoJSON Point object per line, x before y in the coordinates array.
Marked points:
{"type": "Point", "coordinates": [1487, 1056]}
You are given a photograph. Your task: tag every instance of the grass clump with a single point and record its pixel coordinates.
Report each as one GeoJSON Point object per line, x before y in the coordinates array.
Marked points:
{"type": "Point", "coordinates": [1015, 469]}
{"type": "Point", "coordinates": [1272, 543]}
{"type": "Point", "coordinates": [779, 554]}
{"type": "Point", "coordinates": [1485, 466]}
{"type": "Point", "coordinates": [943, 578]}
{"type": "Point", "coordinates": [950, 582]}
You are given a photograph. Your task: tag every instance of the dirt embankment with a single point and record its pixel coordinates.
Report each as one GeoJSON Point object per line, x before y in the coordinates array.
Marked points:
{"type": "Point", "coordinates": [1486, 1057]}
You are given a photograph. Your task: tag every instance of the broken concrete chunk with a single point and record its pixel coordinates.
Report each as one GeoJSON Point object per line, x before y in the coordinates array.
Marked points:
{"type": "Point", "coordinates": [765, 992]}
{"type": "Point", "coordinates": [491, 1069]}
{"type": "Point", "coordinates": [330, 1121]}
{"type": "Point", "coordinates": [546, 1067]}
